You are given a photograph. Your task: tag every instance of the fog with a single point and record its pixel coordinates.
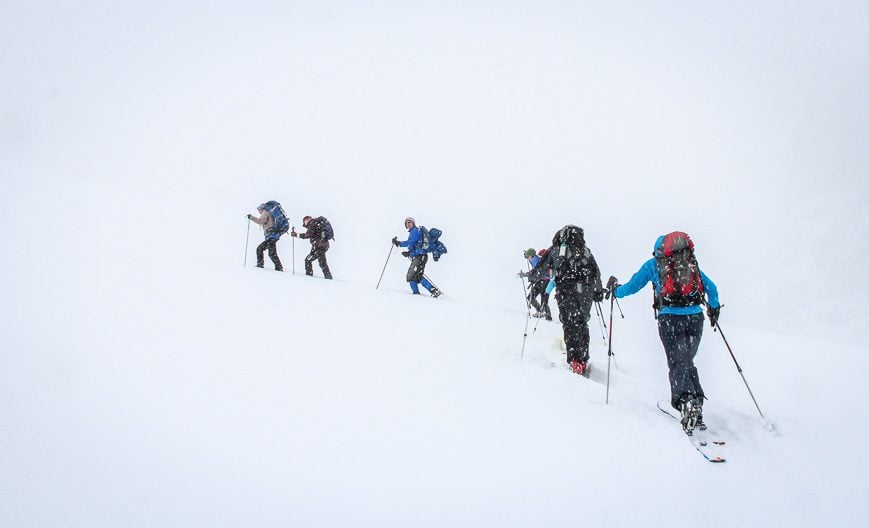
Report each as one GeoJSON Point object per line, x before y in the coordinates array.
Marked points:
{"type": "Point", "coordinates": [499, 122]}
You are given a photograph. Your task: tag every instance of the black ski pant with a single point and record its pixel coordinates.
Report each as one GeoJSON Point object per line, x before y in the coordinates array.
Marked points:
{"type": "Point", "coordinates": [680, 335]}
{"type": "Point", "coordinates": [416, 271]}
{"type": "Point", "coordinates": [538, 289]}
{"type": "Point", "coordinates": [574, 307]}
{"type": "Point", "coordinates": [318, 254]}
{"type": "Point", "coordinates": [271, 245]}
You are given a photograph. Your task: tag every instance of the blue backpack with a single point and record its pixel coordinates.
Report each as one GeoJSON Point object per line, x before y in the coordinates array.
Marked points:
{"type": "Point", "coordinates": [430, 242]}
{"type": "Point", "coordinates": [282, 222]}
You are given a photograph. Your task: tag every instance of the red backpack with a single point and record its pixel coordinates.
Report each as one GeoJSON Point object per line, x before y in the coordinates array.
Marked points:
{"type": "Point", "coordinates": [678, 271]}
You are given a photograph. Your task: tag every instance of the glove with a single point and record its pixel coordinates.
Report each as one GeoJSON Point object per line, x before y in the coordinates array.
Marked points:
{"type": "Point", "coordinates": [522, 274]}
{"type": "Point", "coordinates": [713, 314]}
{"type": "Point", "coordinates": [293, 234]}
{"type": "Point", "coordinates": [405, 253]}
{"type": "Point", "coordinates": [250, 217]}
{"type": "Point", "coordinates": [598, 296]}
{"type": "Point", "coordinates": [611, 286]}
{"type": "Point", "coordinates": [395, 241]}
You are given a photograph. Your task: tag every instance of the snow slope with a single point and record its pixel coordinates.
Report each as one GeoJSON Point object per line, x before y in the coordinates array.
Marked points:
{"type": "Point", "coordinates": [244, 397]}
{"type": "Point", "coordinates": [148, 379]}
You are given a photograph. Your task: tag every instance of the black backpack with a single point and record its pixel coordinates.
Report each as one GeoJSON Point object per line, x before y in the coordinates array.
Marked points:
{"type": "Point", "coordinates": [326, 227]}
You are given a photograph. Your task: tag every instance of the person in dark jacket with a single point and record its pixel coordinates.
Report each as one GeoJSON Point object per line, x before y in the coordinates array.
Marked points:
{"type": "Point", "coordinates": [538, 287]}
{"type": "Point", "coordinates": [317, 231]}
{"type": "Point", "coordinates": [680, 327]}
{"type": "Point", "coordinates": [576, 280]}
{"type": "Point", "coordinates": [418, 258]}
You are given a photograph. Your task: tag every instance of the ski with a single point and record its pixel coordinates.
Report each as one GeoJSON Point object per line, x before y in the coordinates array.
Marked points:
{"type": "Point", "coordinates": [699, 439]}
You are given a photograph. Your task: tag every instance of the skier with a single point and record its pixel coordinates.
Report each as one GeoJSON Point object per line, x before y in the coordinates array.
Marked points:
{"type": "Point", "coordinates": [575, 277]}
{"type": "Point", "coordinates": [418, 258]}
{"type": "Point", "coordinates": [679, 311]}
{"type": "Point", "coordinates": [538, 288]}
{"type": "Point", "coordinates": [318, 231]}
{"type": "Point", "coordinates": [274, 222]}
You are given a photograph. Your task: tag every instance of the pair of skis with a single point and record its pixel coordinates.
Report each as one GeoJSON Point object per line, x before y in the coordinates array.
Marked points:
{"type": "Point", "coordinates": [703, 441]}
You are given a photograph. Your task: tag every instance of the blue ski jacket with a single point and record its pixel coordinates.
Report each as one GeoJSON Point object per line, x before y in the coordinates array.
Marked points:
{"type": "Point", "coordinates": [413, 242]}
{"type": "Point", "coordinates": [649, 272]}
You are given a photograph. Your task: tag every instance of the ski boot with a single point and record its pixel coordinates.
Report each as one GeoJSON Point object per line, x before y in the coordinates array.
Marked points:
{"type": "Point", "coordinates": [579, 367]}
{"type": "Point", "coordinates": [690, 409]}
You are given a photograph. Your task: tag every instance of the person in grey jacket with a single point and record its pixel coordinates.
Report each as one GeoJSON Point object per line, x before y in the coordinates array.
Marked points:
{"type": "Point", "coordinates": [267, 220]}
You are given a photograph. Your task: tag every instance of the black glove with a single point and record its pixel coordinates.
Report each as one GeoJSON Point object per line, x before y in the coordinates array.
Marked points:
{"type": "Point", "coordinates": [395, 241]}
{"type": "Point", "coordinates": [598, 296]}
{"type": "Point", "coordinates": [713, 314]}
{"type": "Point", "coordinates": [250, 217]}
{"type": "Point", "coordinates": [405, 253]}
{"type": "Point", "coordinates": [611, 286]}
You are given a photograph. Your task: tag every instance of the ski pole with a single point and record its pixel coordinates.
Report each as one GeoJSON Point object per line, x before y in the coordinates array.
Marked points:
{"type": "Point", "coordinates": [294, 249]}
{"type": "Point", "coordinates": [539, 315]}
{"type": "Point", "coordinates": [619, 306]}
{"type": "Point", "coordinates": [435, 286]}
{"type": "Point", "coordinates": [610, 350]}
{"type": "Point", "coordinates": [391, 247]}
{"type": "Point", "coordinates": [601, 324]}
{"type": "Point", "coordinates": [246, 239]}
{"type": "Point", "coordinates": [527, 317]}
{"type": "Point", "coordinates": [603, 333]}
{"type": "Point", "coordinates": [739, 369]}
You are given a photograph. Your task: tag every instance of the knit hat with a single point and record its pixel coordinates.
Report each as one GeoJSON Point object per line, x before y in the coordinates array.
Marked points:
{"type": "Point", "coordinates": [305, 221]}
{"type": "Point", "coordinates": [530, 253]}
{"type": "Point", "coordinates": [410, 219]}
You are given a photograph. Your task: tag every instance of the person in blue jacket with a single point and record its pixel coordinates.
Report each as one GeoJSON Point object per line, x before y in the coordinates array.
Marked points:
{"type": "Point", "coordinates": [418, 258]}
{"type": "Point", "coordinates": [680, 326]}
{"type": "Point", "coordinates": [538, 287]}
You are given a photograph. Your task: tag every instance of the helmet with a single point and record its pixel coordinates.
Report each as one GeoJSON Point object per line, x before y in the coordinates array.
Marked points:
{"type": "Point", "coordinates": [305, 221]}
{"type": "Point", "coordinates": [530, 253]}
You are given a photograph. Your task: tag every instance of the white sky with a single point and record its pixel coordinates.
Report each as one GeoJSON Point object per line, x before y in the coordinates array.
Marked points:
{"type": "Point", "coordinates": [741, 124]}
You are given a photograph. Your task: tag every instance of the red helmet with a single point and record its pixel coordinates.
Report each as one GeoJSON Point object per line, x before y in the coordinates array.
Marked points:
{"type": "Point", "coordinates": [305, 221]}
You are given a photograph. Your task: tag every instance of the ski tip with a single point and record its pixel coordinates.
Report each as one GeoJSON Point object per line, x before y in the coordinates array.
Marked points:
{"type": "Point", "coordinates": [717, 460]}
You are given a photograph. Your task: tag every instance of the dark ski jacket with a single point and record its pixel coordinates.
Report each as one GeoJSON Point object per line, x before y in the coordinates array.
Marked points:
{"type": "Point", "coordinates": [316, 233]}
{"type": "Point", "coordinates": [543, 276]}
{"type": "Point", "coordinates": [572, 267]}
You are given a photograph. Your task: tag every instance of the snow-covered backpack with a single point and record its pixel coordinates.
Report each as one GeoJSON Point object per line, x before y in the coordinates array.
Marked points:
{"type": "Point", "coordinates": [328, 232]}
{"type": "Point", "coordinates": [282, 222]}
{"type": "Point", "coordinates": [430, 242]}
{"type": "Point", "coordinates": [678, 271]}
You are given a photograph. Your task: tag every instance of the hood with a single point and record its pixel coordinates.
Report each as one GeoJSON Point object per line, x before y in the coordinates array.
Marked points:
{"type": "Point", "coordinates": [658, 244]}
